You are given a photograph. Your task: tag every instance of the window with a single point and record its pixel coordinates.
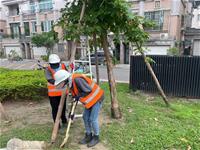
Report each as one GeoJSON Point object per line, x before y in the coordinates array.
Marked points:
{"type": "Point", "coordinates": [157, 4]}
{"type": "Point", "coordinates": [13, 10]}
{"type": "Point", "coordinates": [32, 7]}
{"type": "Point", "coordinates": [182, 20]}
{"type": "Point", "coordinates": [26, 29]}
{"type": "Point", "coordinates": [15, 30]}
{"type": "Point", "coordinates": [34, 27]}
{"type": "Point", "coordinates": [157, 17]}
{"type": "Point", "coordinates": [46, 26]}
{"type": "Point", "coordinates": [198, 17]}
{"type": "Point", "coordinates": [45, 5]}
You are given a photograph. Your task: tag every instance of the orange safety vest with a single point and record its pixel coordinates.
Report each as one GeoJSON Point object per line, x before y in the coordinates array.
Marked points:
{"type": "Point", "coordinates": [52, 90]}
{"type": "Point", "coordinates": [94, 96]}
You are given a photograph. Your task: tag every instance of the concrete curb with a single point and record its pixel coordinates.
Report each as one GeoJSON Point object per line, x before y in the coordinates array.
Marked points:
{"type": "Point", "coordinates": [118, 81]}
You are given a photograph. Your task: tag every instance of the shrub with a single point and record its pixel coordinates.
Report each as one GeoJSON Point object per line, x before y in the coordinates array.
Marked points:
{"type": "Point", "coordinates": [45, 57]}
{"type": "Point", "coordinates": [18, 84]}
{"type": "Point", "coordinates": [174, 51]}
{"type": "Point", "coordinates": [13, 55]}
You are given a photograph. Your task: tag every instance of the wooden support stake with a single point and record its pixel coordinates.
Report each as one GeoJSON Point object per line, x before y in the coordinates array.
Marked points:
{"type": "Point", "coordinates": [60, 108]}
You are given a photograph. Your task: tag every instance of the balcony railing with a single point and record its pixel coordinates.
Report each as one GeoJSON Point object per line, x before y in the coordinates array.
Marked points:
{"type": "Point", "coordinates": [10, 2]}
{"type": "Point", "coordinates": [43, 6]}
{"type": "Point", "coordinates": [14, 19]}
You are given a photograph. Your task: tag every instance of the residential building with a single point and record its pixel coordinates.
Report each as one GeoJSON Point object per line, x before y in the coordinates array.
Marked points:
{"type": "Point", "coordinates": [2, 28]}
{"type": "Point", "coordinates": [171, 18]}
{"type": "Point", "coordinates": [25, 18]}
{"type": "Point", "coordinates": [2, 20]}
{"type": "Point", "coordinates": [192, 34]}
{"type": "Point", "coordinates": [196, 18]}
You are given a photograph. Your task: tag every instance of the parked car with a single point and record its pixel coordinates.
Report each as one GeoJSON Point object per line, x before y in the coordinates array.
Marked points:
{"type": "Point", "coordinates": [101, 58]}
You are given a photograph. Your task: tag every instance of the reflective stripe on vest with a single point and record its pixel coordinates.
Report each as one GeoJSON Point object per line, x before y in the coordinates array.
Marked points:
{"type": "Point", "coordinates": [52, 90]}
{"type": "Point", "coordinates": [93, 96]}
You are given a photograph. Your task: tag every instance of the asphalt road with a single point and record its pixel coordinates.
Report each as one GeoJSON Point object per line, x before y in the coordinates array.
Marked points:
{"type": "Point", "coordinates": [121, 72]}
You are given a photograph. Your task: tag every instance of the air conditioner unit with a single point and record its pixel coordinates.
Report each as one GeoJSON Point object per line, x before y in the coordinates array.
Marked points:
{"type": "Point", "coordinates": [163, 36]}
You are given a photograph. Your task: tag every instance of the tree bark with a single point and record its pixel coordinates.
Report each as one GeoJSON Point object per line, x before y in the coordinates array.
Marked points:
{"type": "Point", "coordinates": [73, 51]}
{"type": "Point", "coordinates": [115, 109]}
{"type": "Point", "coordinates": [74, 42]}
{"type": "Point", "coordinates": [96, 57]}
{"type": "Point", "coordinates": [121, 52]}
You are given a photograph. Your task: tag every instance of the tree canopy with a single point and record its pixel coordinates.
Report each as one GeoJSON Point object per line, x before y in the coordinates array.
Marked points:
{"type": "Point", "coordinates": [102, 17]}
{"type": "Point", "coordinates": [46, 39]}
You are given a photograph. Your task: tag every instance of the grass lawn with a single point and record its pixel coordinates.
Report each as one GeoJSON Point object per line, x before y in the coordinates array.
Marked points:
{"type": "Point", "coordinates": [146, 124]}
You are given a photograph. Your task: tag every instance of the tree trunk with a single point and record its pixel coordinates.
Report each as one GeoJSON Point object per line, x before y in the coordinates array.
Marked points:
{"type": "Point", "coordinates": [115, 110]}
{"type": "Point", "coordinates": [73, 51]}
{"type": "Point", "coordinates": [121, 52]}
{"type": "Point", "coordinates": [96, 57]}
{"type": "Point", "coordinates": [74, 43]}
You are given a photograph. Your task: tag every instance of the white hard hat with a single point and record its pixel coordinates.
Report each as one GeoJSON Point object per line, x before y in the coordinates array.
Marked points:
{"type": "Point", "coordinates": [60, 76]}
{"type": "Point", "coordinates": [53, 59]}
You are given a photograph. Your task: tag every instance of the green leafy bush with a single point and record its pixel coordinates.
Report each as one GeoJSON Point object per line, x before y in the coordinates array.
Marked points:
{"type": "Point", "coordinates": [18, 84]}
{"type": "Point", "coordinates": [45, 57]}
{"type": "Point", "coordinates": [174, 51]}
{"type": "Point", "coordinates": [13, 55]}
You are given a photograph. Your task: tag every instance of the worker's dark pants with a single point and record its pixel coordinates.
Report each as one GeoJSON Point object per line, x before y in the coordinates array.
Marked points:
{"type": "Point", "coordinates": [55, 101]}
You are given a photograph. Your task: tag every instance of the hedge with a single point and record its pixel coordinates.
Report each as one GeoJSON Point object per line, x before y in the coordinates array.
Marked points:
{"type": "Point", "coordinates": [22, 84]}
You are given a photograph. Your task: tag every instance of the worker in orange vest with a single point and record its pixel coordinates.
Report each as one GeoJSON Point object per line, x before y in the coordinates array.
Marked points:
{"type": "Point", "coordinates": [86, 91]}
{"type": "Point", "coordinates": [54, 93]}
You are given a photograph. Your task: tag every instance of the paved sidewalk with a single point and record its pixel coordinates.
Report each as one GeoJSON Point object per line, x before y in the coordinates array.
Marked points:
{"type": "Point", "coordinates": [19, 65]}
{"type": "Point", "coordinates": [121, 71]}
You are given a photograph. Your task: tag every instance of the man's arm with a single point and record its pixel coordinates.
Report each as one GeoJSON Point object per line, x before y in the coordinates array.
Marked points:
{"type": "Point", "coordinates": [49, 76]}
{"type": "Point", "coordinates": [83, 87]}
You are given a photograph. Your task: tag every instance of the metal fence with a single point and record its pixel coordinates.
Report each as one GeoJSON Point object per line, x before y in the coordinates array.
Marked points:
{"type": "Point", "coordinates": [178, 75]}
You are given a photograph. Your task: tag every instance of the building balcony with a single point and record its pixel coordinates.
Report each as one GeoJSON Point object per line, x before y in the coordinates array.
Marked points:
{"type": "Point", "coordinates": [11, 2]}
{"type": "Point", "coordinates": [195, 3]}
{"type": "Point", "coordinates": [29, 15]}
{"type": "Point", "coordinates": [14, 19]}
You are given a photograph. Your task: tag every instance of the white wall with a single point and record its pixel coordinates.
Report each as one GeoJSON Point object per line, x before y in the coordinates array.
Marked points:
{"type": "Point", "coordinates": [38, 51]}
{"type": "Point", "coordinates": [2, 11]}
{"type": "Point", "coordinates": [175, 7]}
{"type": "Point", "coordinates": [195, 21]}
{"type": "Point", "coordinates": [156, 50]}
{"type": "Point", "coordinates": [24, 7]}
{"type": "Point", "coordinates": [196, 48]}
{"type": "Point", "coordinates": [16, 48]}
{"type": "Point", "coordinates": [58, 4]}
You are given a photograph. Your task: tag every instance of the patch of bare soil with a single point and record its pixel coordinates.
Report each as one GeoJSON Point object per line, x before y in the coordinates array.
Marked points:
{"type": "Point", "coordinates": [25, 113]}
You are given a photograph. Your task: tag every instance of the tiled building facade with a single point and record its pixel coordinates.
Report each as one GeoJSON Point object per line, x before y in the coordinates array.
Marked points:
{"type": "Point", "coordinates": [25, 18]}
{"type": "Point", "coordinates": [171, 18]}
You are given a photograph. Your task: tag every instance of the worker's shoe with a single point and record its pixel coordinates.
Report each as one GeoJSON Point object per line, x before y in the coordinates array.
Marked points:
{"type": "Point", "coordinates": [86, 139]}
{"type": "Point", "coordinates": [94, 141]}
